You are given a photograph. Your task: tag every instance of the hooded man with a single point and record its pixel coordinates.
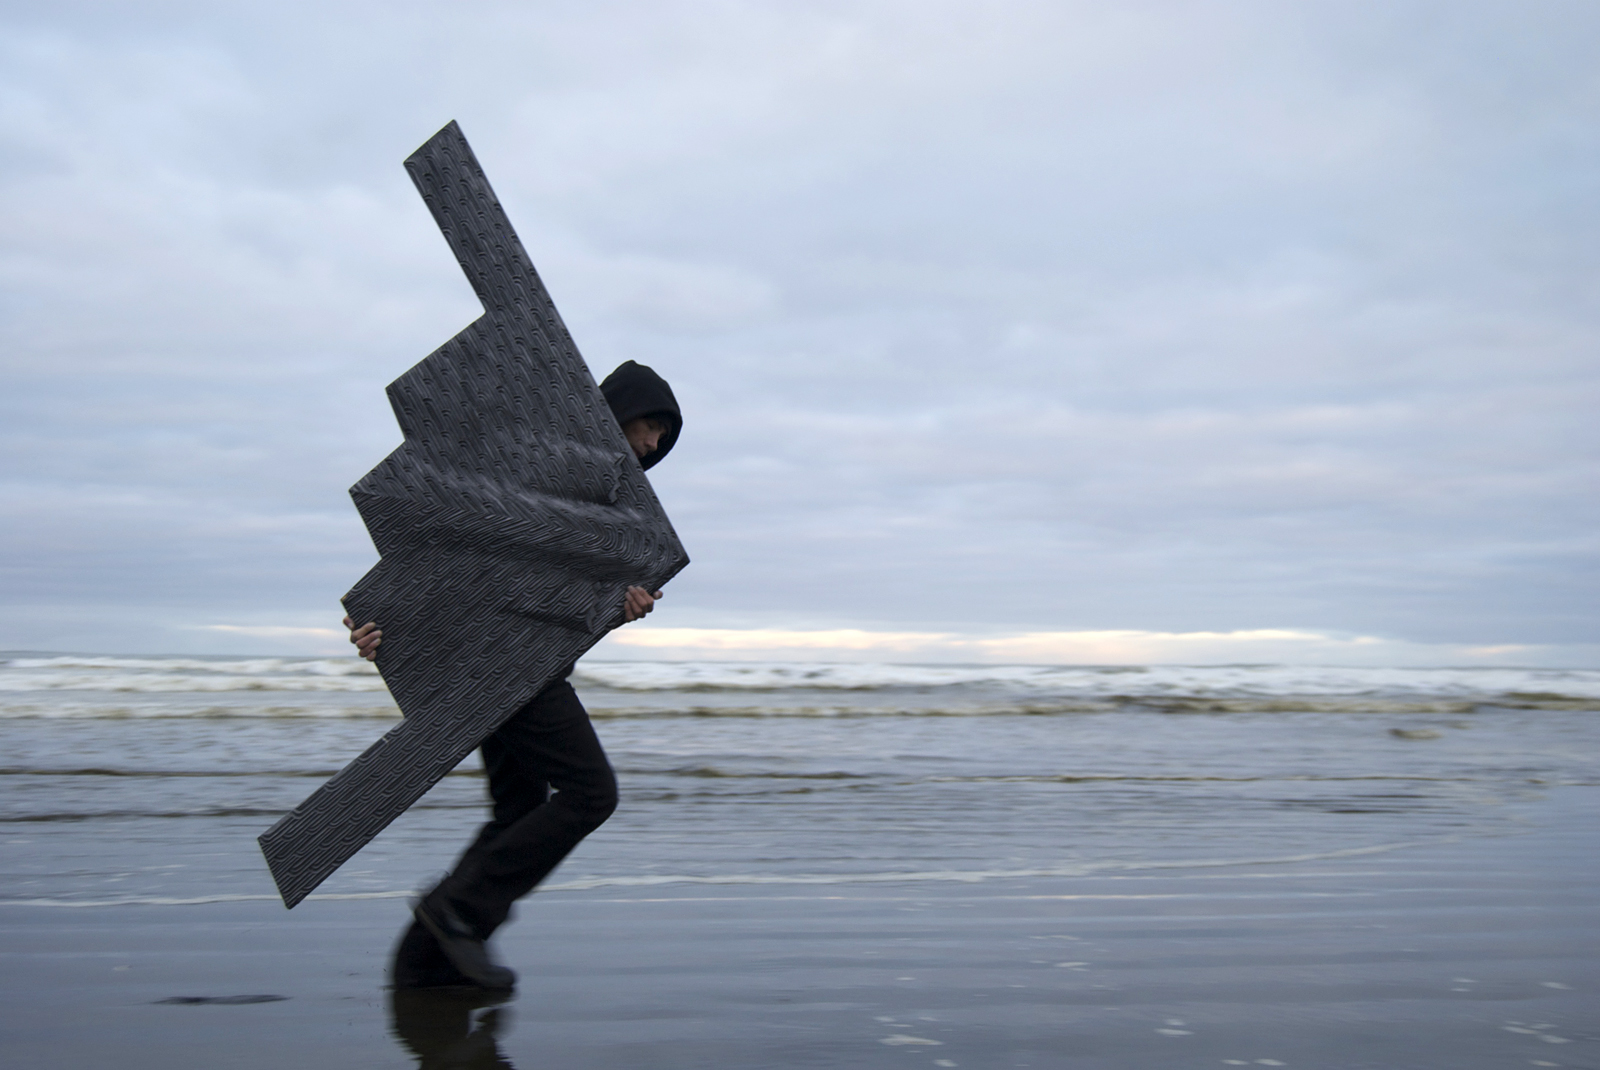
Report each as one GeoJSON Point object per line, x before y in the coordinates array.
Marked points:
{"type": "Point", "coordinates": [547, 744]}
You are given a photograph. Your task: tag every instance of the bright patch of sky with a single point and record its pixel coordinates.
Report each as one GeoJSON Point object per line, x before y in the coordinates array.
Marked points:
{"type": "Point", "coordinates": [1027, 324]}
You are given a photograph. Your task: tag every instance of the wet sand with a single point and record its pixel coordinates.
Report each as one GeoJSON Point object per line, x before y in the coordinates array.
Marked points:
{"type": "Point", "coordinates": [1476, 953]}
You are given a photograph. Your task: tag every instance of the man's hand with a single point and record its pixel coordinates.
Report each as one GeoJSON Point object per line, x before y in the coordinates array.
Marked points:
{"type": "Point", "coordinates": [366, 638]}
{"type": "Point", "coordinates": [637, 604]}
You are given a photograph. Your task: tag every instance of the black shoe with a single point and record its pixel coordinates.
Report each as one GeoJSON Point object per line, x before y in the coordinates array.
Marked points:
{"type": "Point", "coordinates": [461, 945]}
{"type": "Point", "coordinates": [418, 963]}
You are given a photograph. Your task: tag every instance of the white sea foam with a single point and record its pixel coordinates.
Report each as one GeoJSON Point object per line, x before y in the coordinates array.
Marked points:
{"type": "Point", "coordinates": [840, 687]}
{"type": "Point", "coordinates": [931, 876]}
{"type": "Point", "coordinates": [1152, 681]}
{"type": "Point", "coordinates": [31, 708]}
{"type": "Point", "coordinates": [149, 675]}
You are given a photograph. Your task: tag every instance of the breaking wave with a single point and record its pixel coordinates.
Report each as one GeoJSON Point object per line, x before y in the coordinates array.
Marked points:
{"type": "Point", "coordinates": [1147, 683]}
{"type": "Point", "coordinates": [76, 673]}
{"type": "Point", "coordinates": [45, 686]}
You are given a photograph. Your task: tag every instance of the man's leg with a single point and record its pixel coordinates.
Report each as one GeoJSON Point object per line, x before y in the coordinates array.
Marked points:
{"type": "Point", "coordinates": [419, 962]}
{"type": "Point", "coordinates": [515, 788]}
{"type": "Point", "coordinates": [548, 742]}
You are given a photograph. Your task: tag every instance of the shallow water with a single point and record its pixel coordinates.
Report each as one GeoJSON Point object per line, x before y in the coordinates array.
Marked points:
{"type": "Point", "coordinates": [127, 780]}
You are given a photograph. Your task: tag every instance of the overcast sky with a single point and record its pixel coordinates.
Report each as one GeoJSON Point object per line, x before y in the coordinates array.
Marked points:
{"type": "Point", "coordinates": [1037, 331]}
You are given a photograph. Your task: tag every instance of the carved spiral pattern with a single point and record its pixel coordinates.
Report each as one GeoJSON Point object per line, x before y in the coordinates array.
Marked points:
{"type": "Point", "coordinates": [510, 522]}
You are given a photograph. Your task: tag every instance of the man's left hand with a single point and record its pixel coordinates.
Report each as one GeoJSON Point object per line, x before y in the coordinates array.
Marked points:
{"type": "Point", "coordinates": [638, 602]}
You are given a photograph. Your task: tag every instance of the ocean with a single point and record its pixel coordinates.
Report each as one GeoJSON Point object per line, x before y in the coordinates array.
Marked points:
{"type": "Point", "coordinates": [840, 865]}
{"type": "Point", "coordinates": [145, 780]}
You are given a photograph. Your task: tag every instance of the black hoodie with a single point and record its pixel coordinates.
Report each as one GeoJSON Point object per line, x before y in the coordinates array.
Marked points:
{"type": "Point", "coordinates": [633, 390]}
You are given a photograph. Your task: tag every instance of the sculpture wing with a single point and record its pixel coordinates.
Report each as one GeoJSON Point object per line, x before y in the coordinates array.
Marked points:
{"type": "Point", "coordinates": [510, 524]}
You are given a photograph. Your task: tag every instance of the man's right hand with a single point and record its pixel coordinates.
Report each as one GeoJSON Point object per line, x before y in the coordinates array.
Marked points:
{"type": "Point", "coordinates": [637, 603]}
{"type": "Point", "coordinates": [366, 638]}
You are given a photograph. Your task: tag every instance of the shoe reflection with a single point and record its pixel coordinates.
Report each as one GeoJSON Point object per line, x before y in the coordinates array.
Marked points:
{"type": "Point", "coordinates": [439, 1027]}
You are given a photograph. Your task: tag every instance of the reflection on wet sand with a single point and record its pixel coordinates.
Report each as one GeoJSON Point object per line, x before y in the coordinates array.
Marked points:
{"type": "Point", "coordinates": [441, 1028]}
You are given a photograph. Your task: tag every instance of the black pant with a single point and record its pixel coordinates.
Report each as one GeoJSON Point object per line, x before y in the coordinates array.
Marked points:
{"type": "Point", "coordinates": [549, 743]}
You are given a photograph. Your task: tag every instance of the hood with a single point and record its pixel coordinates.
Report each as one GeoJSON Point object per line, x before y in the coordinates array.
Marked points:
{"type": "Point", "coordinates": [634, 390]}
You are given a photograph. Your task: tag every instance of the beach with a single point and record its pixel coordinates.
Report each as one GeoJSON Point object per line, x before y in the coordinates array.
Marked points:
{"type": "Point", "coordinates": [834, 866]}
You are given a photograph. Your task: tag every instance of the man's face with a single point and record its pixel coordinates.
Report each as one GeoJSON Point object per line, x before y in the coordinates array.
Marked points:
{"type": "Point", "coordinates": [644, 434]}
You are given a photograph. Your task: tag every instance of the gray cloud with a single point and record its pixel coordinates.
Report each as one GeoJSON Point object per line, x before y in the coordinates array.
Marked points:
{"type": "Point", "coordinates": [1028, 316]}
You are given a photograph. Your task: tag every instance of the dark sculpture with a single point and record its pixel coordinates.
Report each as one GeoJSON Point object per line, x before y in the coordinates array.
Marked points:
{"type": "Point", "coordinates": [510, 522]}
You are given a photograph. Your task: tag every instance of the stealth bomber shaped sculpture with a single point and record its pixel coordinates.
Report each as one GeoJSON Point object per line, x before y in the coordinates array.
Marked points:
{"type": "Point", "coordinates": [510, 524]}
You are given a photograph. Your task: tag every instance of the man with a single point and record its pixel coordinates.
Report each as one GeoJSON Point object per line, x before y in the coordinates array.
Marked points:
{"type": "Point", "coordinates": [548, 744]}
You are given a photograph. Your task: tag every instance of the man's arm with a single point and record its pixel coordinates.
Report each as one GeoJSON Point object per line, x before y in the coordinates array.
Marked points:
{"type": "Point", "coordinates": [369, 636]}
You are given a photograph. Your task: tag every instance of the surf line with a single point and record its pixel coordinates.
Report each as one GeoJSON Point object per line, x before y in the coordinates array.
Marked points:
{"type": "Point", "coordinates": [1087, 869]}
